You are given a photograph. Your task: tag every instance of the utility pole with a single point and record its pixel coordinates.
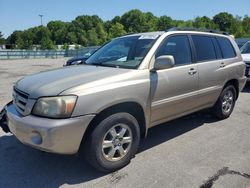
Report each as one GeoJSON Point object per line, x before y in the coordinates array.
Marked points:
{"type": "Point", "coordinates": [41, 16]}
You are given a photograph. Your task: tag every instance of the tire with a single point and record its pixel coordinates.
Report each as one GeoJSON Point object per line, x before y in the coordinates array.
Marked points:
{"type": "Point", "coordinates": [225, 104]}
{"type": "Point", "coordinates": [113, 142]}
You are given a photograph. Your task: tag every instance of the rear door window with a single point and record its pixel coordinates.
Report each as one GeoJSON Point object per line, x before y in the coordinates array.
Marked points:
{"type": "Point", "coordinates": [205, 50]}
{"type": "Point", "coordinates": [226, 47]}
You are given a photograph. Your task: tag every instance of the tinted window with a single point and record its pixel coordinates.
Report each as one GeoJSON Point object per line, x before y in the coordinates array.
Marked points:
{"type": "Point", "coordinates": [226, 47]}
{"type": "Point", "coordinates": [204, 48]}
{"type": "Point", "coordinates": [178, 47]}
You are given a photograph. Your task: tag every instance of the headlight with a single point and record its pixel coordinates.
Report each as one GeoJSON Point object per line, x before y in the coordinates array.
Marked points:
{"type": "Point", "coordinates": [55, 107]}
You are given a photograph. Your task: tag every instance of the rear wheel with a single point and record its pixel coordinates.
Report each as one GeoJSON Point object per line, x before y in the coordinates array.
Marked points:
{"type": "Point", "coordinates": [113, 142]}
{"type": "Point", "coordinates": [225, 104]}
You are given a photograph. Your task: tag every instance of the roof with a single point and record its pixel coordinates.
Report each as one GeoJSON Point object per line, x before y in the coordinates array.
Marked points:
{"type": "Point", "coordinates": [191, 31]}
{"type": "Point", "coordinates": [147, 34]}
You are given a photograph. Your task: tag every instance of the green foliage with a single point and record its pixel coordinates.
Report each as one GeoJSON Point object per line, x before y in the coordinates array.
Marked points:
{"type": "Point", "coordinates": [65, 46]}
{"type": "Point", "coordinates": [116, 30]}
{"type": "Point", "coordinates": [71, 38]}
{"type": "Point", "coordinates": [164, 23]}
{"type": "Point", "coordinates": [2, 40]}
{"type": "Point", "coordinates": [47, 44]}
{"type": "Point", "coordinates": [88, 30]}
{"type": "Point", "coordinates": [246, 26]}
{"type": "Point", "coordinates": [92, 37]}
{"type": "Point", "coordinates": [224, 20]}
{"type": "Point", "coordinates": [204, 22]}
{"type": "Point", "coordinates": [57, 30]}
{"type": "Point", "coordinates": [136, 21]}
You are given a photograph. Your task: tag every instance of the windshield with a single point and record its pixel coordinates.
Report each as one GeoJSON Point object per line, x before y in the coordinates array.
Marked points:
{"type": "Point", "coordinates": [126, 52]}
{"type": "Point", "coordinates": [245, 49]}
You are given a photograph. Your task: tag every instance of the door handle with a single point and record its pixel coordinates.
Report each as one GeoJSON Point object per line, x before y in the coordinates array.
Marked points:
{"type": "Point", "coordinates": [222, 65]}
{"type": "Point", "coordinates": [192, 71]}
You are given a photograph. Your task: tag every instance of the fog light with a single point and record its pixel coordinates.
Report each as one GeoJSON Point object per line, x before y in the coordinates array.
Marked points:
{"type": "Point", "coordinates": [36, 138]}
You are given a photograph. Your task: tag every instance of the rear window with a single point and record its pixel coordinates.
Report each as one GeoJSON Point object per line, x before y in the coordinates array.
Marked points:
{"type": "Point", "coordinates": [226, 47]}
{"type": "Point", "coordinates": [204, 48]}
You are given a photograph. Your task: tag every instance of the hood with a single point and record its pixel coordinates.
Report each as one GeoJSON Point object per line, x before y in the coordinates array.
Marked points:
{"type": "Point", "coordinates": [52, 83]}
{"type": "Point", "coordinates": [246, 57]}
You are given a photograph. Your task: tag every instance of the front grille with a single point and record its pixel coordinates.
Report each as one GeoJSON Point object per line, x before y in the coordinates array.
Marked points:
{"type": "Point", "coordinates": [20, 100]}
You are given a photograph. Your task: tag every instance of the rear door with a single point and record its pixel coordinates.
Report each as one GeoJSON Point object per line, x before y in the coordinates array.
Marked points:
{"type": "Point", "coordinates": [211, 68]}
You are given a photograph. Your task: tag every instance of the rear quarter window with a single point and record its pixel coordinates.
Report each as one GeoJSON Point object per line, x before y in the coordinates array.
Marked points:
{"type": "Point", "coordinates": [226, 47]}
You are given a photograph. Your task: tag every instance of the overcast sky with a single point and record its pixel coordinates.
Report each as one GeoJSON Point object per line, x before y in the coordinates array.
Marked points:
{"type": "Point", "coordinates": [22, 14]}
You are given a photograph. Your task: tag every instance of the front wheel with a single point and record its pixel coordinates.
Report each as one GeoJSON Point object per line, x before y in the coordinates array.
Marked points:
{"type": "Point", "coordinates": [113, 142]}
{"type": "Point", "coordinates": [225, 104]}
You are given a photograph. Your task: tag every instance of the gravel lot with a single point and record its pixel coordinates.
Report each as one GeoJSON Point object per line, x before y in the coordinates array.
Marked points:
{"type": "Point", "coordinates": [194, 151]}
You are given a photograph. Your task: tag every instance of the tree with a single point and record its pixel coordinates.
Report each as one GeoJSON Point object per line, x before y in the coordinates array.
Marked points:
{"type": "Point", "coordinates": [116, 30]}
{"type": "Point", "coordinates": [237, 28]}
{"type": "Point", "coordinates": [42, 33]}
{"type": "Point", "coordinates": [58, 30]}
{"type": "Point", "coordinates": [20, 43]}
{"type": "Point", "coordinates": [47, 44]}
{"type": "Point", "coordinates": [136, 21]}
{"type": "Point", "coordinates": [65, 46]}
{"type": "Point", "coordinates": [246, 26]}
{"type": "Point", "coordinates": [86, 22]}
{"type": "Point", "coordinates": [184, 24]}
{"type": "Point", "coordinates": [71, 38]}
{"type": "Point", "coordinates": [116, 19]}
{"type": "Point", "coordinates": [21, 39]}
{"type": "Point", "coordinates": [204, 22]}
{"type": "Point", "coordinates": [13, 39]}
{"type": "Point", "coordinates": [151, 22]}
{"type": "Point", "coordinates": [82, 38]}
{"type": "Point", "coordinates": [164, 23]}
{"type": "Point", "coordinates": [224, 20]}
{"type": "Point", "coordinates": [2, 40]}
{"type": "Point", "coordinates": [92, 38]}
{"type": "Point", "coordinates": [27, 39]}
{"type": "Point", "coordinates": [101, 33]}
{"type": "Point", "coordinates": [91, 30]}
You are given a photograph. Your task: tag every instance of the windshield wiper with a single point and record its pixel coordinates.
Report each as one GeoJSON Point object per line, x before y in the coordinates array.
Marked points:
{"type": "Point", "coordinates": [105, 65]}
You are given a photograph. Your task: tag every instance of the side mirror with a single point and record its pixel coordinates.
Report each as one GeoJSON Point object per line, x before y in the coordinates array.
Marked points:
{"type": "Point", "coordinates": [164, 62]}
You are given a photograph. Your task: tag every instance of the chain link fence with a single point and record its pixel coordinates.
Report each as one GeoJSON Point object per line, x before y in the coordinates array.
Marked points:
{"type": "Point", "coordinates": [31, 54]}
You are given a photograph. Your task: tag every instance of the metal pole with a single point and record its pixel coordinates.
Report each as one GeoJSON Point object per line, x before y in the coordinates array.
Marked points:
{"type": "Point", "coordinates": [41, 16]}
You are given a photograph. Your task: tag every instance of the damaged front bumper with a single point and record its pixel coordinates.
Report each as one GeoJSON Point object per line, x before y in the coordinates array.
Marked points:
{"type": "Point", "coordinates": [3, 118]}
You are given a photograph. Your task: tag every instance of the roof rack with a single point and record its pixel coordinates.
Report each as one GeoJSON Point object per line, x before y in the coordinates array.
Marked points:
{"type": "Point", "coordinates": [198, 29]}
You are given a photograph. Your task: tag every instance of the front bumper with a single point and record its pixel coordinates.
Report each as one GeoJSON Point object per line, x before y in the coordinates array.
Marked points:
{"type": "Point", "coordinates": [61, 136]}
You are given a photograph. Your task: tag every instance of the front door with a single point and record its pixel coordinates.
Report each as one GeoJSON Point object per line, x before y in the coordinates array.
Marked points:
{"type": "Point", "coordinates": [174, 90]}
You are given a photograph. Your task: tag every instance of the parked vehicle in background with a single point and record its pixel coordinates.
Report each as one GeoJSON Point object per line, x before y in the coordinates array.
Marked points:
{"type": "Point", "coordinates": [129, 85]}
{"type": "Point", "coordinates": [80, 59]}
{"type": "Point", "coordinates": [77, 60]}
{"type": "Point", "coordinates": [245, 52]}
{"type": "Point", "coordinates": [241, 41]}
